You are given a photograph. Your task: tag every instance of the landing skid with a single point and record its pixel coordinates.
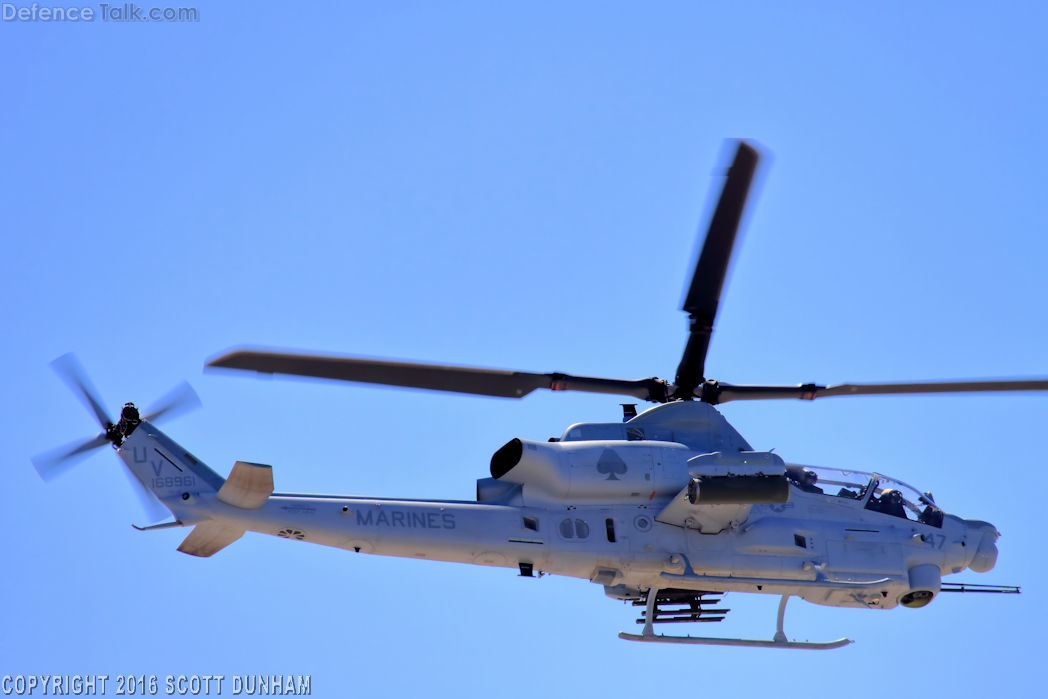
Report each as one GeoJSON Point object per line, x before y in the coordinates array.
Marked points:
{"type": "Point", "coordinates": [779, 641]}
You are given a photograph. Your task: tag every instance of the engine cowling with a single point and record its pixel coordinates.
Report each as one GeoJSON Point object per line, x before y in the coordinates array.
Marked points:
{"type": "Point", "coordinates": [605, 471]}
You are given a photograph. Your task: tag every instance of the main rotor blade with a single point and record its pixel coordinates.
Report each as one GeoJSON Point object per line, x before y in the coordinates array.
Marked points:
{"type": "Point", "coordinates": [70, 370]}
{"type": "Point", "coordinates": [706, 283]}
{"type": "Point", "coordinates": [178, 400]}
{"type": "Point", "coordinates": [714, 392]}
{"type": "Point", "coordinates": [434, 377]}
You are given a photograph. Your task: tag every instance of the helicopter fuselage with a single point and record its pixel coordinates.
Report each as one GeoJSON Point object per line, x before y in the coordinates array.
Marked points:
{"type": "Point", "coordinates": [629, 514]}
{"type": "Point", "coordinates": [832, 554]}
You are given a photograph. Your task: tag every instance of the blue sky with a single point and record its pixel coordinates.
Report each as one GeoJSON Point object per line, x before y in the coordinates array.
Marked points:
{"type": "Point", "coordinates": [515, 187]}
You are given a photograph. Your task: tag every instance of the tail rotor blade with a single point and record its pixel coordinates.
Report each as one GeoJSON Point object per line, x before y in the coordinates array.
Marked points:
{"type": "Point", "coordinates": [180, 399]}
{"type": "Point", "coordinates": [52, 464]}
{"type": "Point", "coordinates": [152, 507]}
{"type": "Point", "coordinates": [70, 370]}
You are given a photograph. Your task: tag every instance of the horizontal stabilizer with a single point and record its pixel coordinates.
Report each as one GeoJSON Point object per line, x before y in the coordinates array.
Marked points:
{"type": "Point", "coordinates": [248, 486]}
{"type": "Point", "coordinates": [209, 538]}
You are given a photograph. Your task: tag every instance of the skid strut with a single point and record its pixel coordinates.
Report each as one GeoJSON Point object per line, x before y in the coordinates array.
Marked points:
{"type": "Point", "coordinates": [653, 611]}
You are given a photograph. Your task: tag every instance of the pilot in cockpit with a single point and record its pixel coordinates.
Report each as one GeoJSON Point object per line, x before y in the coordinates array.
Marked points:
{"type": "Point", "coordinates": [889, 503]}
{"type": "Point", "coordinates": [931, 514]}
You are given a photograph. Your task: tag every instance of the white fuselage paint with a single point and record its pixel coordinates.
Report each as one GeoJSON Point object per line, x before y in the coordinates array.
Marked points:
{"type": "Point", "coordinates": [827, 549]}
{"type": "Point", "coordinates": [843, 543]}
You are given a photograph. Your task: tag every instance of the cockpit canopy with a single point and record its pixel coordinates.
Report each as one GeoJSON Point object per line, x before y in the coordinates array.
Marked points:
{"type": "Point", "coordinates": [876, 492]}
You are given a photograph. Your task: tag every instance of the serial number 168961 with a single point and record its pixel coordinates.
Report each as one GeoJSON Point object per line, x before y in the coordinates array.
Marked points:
{"type": "Point", "coordinates": [174, 482]}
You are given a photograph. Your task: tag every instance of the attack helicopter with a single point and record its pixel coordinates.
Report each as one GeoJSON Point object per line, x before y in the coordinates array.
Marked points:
{"type": "Point", "coordinates": [668, 509]}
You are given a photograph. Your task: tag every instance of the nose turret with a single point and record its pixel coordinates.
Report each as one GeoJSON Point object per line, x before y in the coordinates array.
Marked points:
{"type": "Point", "coordinates": [982, 536]}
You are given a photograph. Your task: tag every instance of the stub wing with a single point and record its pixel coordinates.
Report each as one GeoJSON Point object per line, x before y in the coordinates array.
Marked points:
{"type": "Point", "coordinates": [724, 487]}
{"type": "Point", "coordinates": [708, 519]}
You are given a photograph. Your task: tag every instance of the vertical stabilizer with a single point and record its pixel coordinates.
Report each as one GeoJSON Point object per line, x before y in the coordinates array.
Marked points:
{"type": "Point", "coordinates": [248, 486]}
{"type": "Point", "coordinates": [165, 468]}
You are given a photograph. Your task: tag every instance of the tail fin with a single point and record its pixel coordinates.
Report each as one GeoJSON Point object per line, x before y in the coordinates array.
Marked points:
{"type": "Point", "coordinates": [165, 468]}
{"type": "Point", "coordinates": [174, 476]}
{"type": "Point", "coordinates": [248, 486]}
